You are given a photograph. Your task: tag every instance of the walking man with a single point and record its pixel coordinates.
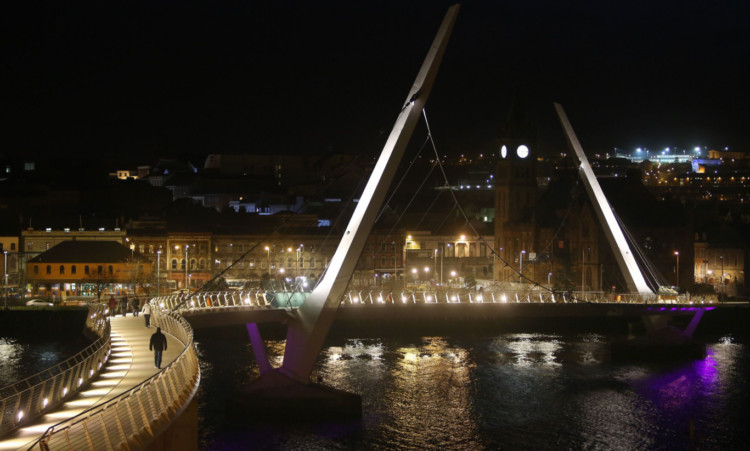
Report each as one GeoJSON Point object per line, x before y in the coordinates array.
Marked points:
{"type": "Point", "coordinates": [158, 344]}
{"type": "Point", "coordinates": [147, 313]}
{"type": "Point", "coordinates": [136, 307]}
{"type": "Point", "coordinates": [112, 305]}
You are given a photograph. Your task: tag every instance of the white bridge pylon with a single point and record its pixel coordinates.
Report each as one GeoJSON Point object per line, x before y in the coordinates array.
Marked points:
{"type": "Point", "coordinates": [307, 331]}
{"type": "Point", "coordinates": [624, 256]}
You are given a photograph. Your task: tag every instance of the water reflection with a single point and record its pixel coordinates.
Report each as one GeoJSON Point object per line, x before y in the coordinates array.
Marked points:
{"type": "Point", "coordinates": [517, 391]}
{"type": "Point", "coordinates": [19, 359]}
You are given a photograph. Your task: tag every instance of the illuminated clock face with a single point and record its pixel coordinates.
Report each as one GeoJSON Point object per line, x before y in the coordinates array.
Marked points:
{"type": "Point", "coordinates": [522, 151]}
{"type": "Point", "coordinates": [503, 151]}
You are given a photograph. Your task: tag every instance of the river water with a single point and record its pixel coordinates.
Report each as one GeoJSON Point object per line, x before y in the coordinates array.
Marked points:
{"type": "Point", "coordinates": [493, 391]}
{"type": "Point", "coordinates": [511, 390]}
{"type": "Point", "coordinates": [21, 358]}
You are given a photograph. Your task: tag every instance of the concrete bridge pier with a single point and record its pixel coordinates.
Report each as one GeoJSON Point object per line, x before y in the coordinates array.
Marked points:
{"type": "Point", "coordinates": [276, 394]}
{"type": "Point", "coordinates": [662, 339]}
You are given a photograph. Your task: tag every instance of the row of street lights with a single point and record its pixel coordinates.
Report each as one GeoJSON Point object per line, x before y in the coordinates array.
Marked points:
{"type": "Point", "coordinates": [299, 250]}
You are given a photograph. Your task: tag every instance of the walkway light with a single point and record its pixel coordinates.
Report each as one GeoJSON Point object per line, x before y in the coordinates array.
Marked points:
{"type": "Point", "coordinates": [44, 403]}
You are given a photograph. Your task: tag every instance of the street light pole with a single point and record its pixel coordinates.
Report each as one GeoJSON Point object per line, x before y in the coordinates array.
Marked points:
{"type": "Point", "coordinates": [677, 270]}
{"type": "Point", "coordinates": [268, 250]}
{"type": "Point", "coordinates": [187, 263]}
{"type": "Point", "coordinates": [434, 264]}
{"type": "Point", "coordinates": [520, 271]}
{"type": "Point", "coordinates": [395, 263]}
{"type": "Point", "coordinates": [158, 273]}
{"type": "Point", "coordinates": [441, 266]}
{"type": "Point", "coordinates": [5, 271]}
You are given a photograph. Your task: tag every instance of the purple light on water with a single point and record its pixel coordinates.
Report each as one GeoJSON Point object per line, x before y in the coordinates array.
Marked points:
{"type": "Point", "coordinates": [683, 309]}
{"type": "Point", "coordinates": [674, 308]}
{"type": "Point", "coordinates": [662, 309]}
{"type": "Point", "coordinates": [682, 388]}
{"type": "Point", "coordinates": [710, 308]}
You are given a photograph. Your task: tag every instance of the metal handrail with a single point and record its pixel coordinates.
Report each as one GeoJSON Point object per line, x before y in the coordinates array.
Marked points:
{"type": "Point", "coordinates": [270, 299]}
{"type": "Point", "coordinates": [134, 418]}
{"type": "Point", "coordinates": [24, 401]}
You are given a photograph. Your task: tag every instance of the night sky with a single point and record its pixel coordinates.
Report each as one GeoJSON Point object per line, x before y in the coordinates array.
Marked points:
{"type": "Point", "coordinates": [135, 80]}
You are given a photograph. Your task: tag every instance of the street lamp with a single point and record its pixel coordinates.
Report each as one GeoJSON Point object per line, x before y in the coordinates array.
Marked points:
{"type": "Point", "coordinates": [677, 269]}
{"type": "Point", "coordinates": [434, 264]}
{"type": "Point", "coordinates": [299, 252]}
{"type": "Point", "coordinates": [187, 282]}
{"type": "Point", "coordinates": [268, 250]}
{"type": "Point", "coordinates": [722, 269]}
{"type": "Point", "coordinates": [520, 270]}
{"type": "Point", "coordinates": [415, 273]}
{"type": "Point", "coordinates": [441, 266]}
{"type": "Point", "coordinates": [5, 271]}
{"type": "Point", "coordinates": [549, 278]}
{"type": "Point", "coordinates": [158, 273]}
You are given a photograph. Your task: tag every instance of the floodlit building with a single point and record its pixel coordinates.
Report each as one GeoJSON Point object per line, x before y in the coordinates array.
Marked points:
{"type": "Point", "coordinates": [98, 268]}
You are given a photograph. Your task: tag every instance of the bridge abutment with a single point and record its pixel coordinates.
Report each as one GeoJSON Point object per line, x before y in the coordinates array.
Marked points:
{"type": "Point", "coordinates": [273, 393]}
{"type": "Point", "coordinates": [661, 340]}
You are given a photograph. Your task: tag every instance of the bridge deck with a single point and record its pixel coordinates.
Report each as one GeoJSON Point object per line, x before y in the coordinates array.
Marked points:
{"type": "Point", "coordinates": [130, 364]}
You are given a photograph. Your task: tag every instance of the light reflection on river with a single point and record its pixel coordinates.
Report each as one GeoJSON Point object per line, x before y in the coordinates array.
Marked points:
{"type": "Point", "coordinates": [513, 391]}
{"type": "Point", "coordinates": [20, 359]}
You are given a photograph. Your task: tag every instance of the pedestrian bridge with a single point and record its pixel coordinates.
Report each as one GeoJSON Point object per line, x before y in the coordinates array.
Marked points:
{"type": "Point", "coordinates": [216, 309]}
{"type": "Point", "coordinates": [109, 396]}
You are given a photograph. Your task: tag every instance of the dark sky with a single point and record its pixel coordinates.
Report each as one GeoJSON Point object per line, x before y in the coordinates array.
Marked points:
{"type": "Point", "coordinates": [139, 79]}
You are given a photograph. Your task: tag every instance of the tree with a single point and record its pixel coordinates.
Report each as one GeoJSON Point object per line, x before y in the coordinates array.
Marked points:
{"type": "Point", "coordinates": [470, 281]}
{"type": "Point", "coordinates": [218, 284]}
{"type": "Point", "coordinates": [100, 280]}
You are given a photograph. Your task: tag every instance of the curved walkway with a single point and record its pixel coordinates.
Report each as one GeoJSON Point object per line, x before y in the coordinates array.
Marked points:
{"type": "Point", "coordinates": [130, 364]}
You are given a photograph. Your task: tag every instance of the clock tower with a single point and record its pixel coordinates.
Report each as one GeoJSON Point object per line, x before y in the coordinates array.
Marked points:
{"type": "Point", "coordinates": [515, 186]}
{"type": "Point", "coordinates": [515, 174]}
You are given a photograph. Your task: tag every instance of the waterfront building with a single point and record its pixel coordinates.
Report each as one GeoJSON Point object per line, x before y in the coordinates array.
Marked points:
{"type": "Point", "coordinates": [93, 268]}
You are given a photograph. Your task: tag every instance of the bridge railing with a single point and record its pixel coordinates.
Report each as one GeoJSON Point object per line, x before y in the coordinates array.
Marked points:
{"type": "Point", "coordinates": [134, 418]}
{"type": "Point", "coordinates": [28, 399]}
{"type": "Point", "coordinates": [283, 299]}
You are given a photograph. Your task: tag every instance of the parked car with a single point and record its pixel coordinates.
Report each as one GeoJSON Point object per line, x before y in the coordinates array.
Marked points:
{"type": "Point", "coordinates": [39, 303]}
